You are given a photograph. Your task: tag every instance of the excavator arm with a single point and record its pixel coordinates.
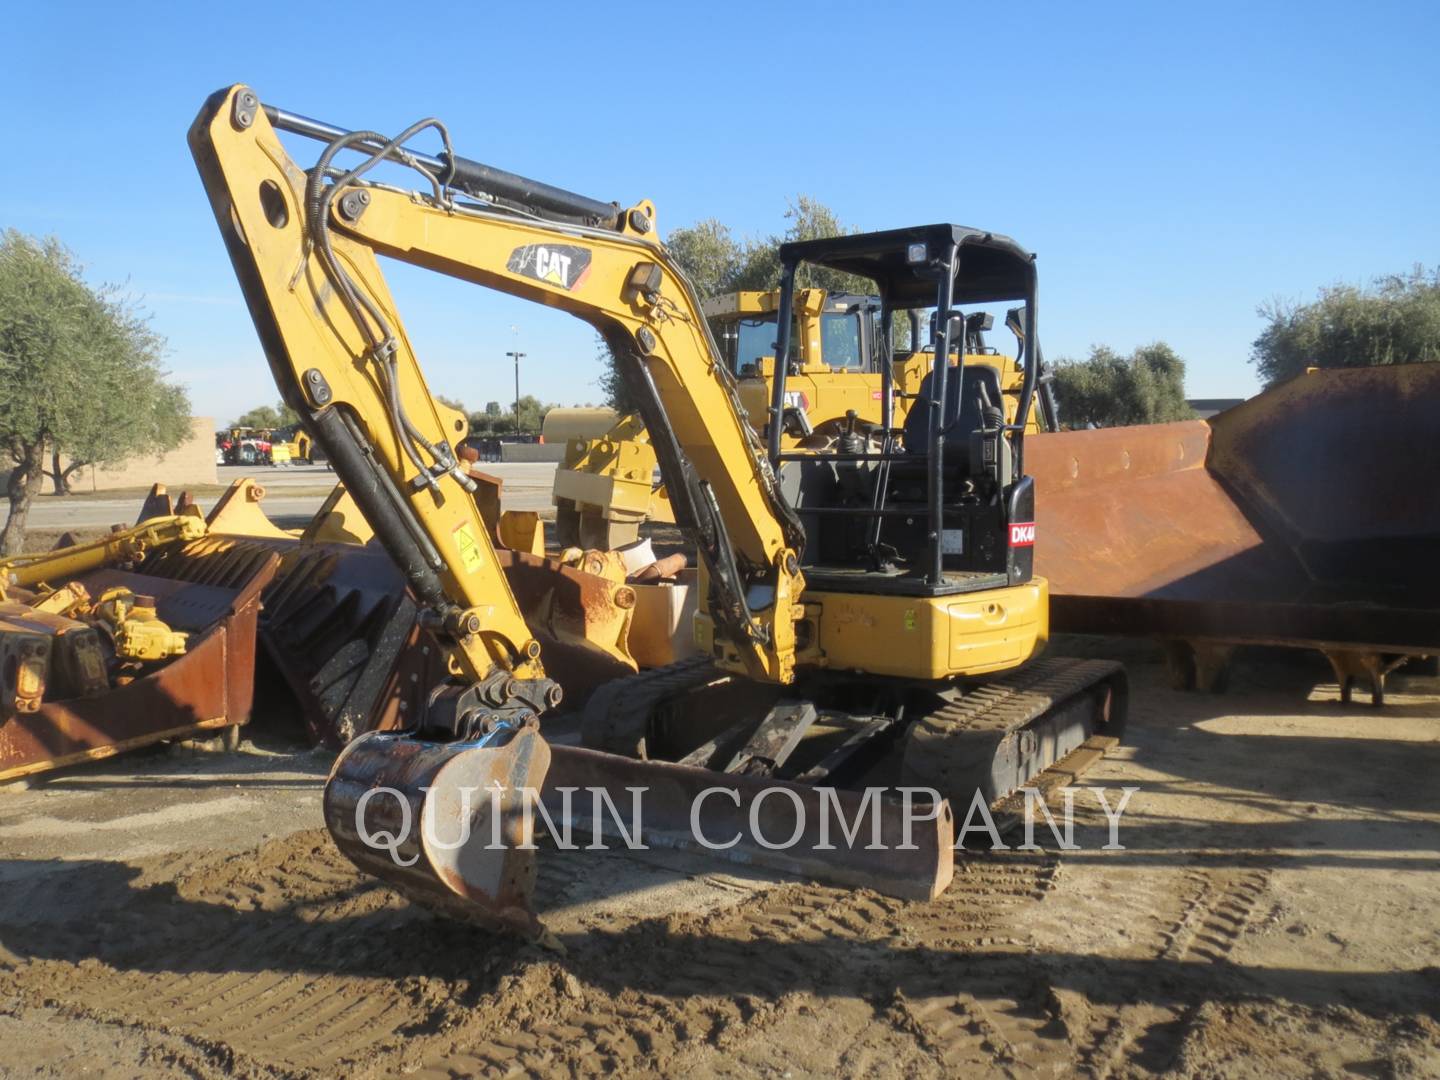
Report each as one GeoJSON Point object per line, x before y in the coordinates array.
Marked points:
{"type": "Point", "coordinates": [305, 246]}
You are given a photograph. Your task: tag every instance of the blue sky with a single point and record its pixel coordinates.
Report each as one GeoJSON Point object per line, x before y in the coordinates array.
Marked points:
{"type": "Point", "coordinates": [1174, 165]}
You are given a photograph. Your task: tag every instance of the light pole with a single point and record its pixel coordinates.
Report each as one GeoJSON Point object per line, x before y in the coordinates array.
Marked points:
{"type": "Point", "coordinates": [517, 356]}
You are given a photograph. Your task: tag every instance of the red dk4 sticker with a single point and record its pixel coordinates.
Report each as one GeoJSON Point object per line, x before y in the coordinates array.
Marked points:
{"type": "Point", "coordinates": [1022, 534]}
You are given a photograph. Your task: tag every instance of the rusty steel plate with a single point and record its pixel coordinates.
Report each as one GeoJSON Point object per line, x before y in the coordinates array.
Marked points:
{"type": "Point", "coordinates": [211, 686]}
{"type": "Point", "coordinates": [1305, 516]}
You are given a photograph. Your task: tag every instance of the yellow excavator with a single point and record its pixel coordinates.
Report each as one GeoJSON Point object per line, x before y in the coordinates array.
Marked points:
{"type": "Point", "coordinates": [869, 622]}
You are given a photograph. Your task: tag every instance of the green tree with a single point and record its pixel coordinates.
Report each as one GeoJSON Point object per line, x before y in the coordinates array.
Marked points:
{"type": "Point", "coordinates": [483, 423]}
{"type": "Point", "coordinates": [1395, 321]}
{"type": "Point", "coordinates": [709, 255]}
{"type": "Point", "coordinates": [268, 417]}
{"type": "Point", "coordinates": [494, 421]}
{"type": "Point", "coordinates": [532, 415]}
{"type": "Point", "coordinates": [1111, 390]}
{"type": "Point", "coordinates": [758, 262]}
{"type": "Point", "coordinates": [80, 367]}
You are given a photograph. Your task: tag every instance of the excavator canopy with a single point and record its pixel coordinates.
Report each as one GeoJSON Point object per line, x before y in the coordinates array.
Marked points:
{"type": "Point", "coordinates": [903, 263]}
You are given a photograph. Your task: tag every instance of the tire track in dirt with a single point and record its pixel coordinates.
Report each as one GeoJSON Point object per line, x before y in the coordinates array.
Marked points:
{"type": "Point", "coordinates": [1215, 908]}
{"type": "Point", "coordinates": [683, 987]}
{"type": "Point", "coordinates": [997, 1017]}
{"type": "Point", "coordinates": [283, 958]}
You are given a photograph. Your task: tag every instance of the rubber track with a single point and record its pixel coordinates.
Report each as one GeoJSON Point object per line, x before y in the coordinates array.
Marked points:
{"type": "Point", "coordinates": [935, 750]}
{"type": "Point", "coordinates": [617, 714]}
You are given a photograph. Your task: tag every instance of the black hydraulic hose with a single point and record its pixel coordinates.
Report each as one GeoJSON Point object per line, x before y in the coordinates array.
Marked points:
{"type": "Point", "coordinates": [938, 391]}
{"type": "Point", "coordinates": [782, 356]}
{"type": "Point", "coordinates": [472, 177]}
{"type": "Point", "coordinates": [319, 198]}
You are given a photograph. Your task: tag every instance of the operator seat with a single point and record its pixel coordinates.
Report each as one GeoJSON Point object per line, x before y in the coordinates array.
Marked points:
{"type": "Point", "coordinates": [962, 402]}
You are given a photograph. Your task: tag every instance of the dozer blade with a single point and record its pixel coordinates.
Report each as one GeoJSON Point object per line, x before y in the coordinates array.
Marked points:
{"type": "Point", "coordinates": [873, 840]}
{"type": "Point", "coordinates": [443, 822]}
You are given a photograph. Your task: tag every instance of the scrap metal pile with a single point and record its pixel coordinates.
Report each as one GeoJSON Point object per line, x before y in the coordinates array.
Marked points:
{"type": "Point", "coordinates": [98, 656]}
{"type": "Point", "coordinates": [346, 638]}
{"type": "Point", "coordinates": [150, 633]}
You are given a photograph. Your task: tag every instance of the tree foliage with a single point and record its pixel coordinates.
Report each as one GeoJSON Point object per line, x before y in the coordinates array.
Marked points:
{"type": "Point", "coordinates": [495, 421]}
{"type": "Point", "coordinates": [717, 263]}
{"type": "Point", "coordinates": [1395, 321]}
{"type": "Point", "coordinates": [81, 373]}
{"type": "Point", "coordinates": [1111, 390]}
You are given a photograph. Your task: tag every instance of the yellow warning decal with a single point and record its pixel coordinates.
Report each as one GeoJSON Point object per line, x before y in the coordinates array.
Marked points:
{"type": "Point", "coordinates": [470, 558]}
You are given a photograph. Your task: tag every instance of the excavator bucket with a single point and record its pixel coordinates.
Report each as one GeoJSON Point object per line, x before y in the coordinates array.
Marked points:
{"type": "Point", "coordinates": [445, 823]}
{"type": "Point", "coordinates": [1305, 517]}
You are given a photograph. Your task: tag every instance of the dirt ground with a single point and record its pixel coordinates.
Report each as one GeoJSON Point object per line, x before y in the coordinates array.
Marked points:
{"type": "Point", "coordinates": [1274, 913]}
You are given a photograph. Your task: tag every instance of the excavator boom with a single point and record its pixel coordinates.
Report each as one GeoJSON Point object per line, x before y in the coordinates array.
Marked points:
{"type": "Point", "coordinates": [305, 248]}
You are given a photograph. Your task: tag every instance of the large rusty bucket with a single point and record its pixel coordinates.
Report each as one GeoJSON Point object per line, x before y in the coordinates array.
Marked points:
{"type": "Point", "coordinates": [205, 691]}
{"type": "Point", "coordinates": [1306, 516]}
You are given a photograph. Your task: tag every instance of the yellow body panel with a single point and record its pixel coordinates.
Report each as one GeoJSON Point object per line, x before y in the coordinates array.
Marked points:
{"type": "Point", "coordinates": [916, 637]}
{"type": "Point", "coordinates": [932, 637]}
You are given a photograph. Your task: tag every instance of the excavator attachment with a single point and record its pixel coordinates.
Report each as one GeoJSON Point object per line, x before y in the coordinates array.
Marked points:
{"type": "Point", "coordinates": [1303, 517]}
{"type": "Point", "coordinates": [445, 823]}
{"type": "Point", "coordinates": [101, 656]}
{"type": "Point", "coordinates": [347, 638]}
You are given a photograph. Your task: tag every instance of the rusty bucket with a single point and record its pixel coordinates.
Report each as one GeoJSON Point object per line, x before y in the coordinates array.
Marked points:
{"type": "Point", "coordinates": [1305, 516]}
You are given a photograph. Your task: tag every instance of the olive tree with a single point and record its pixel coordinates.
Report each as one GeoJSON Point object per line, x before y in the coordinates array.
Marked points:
{"type": "Point", "coordinates": [1395, 321]}
{"type": "Point", "coordinates": [80, 367]}
{"type": "Point", "coordinates": [1110, 390]}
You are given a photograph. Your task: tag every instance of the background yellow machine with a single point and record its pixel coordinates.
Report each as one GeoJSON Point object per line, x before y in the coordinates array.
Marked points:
{"type": "Point", "coordinates": [606, 486]}
{"type": "Point", "coordinates": [851, 593]}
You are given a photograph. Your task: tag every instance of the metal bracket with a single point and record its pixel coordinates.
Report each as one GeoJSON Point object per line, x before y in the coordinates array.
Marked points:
{"type": "Point", "coordinates": [774, 740]}
{"type": "Point", "coordinates": [244, 108]}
